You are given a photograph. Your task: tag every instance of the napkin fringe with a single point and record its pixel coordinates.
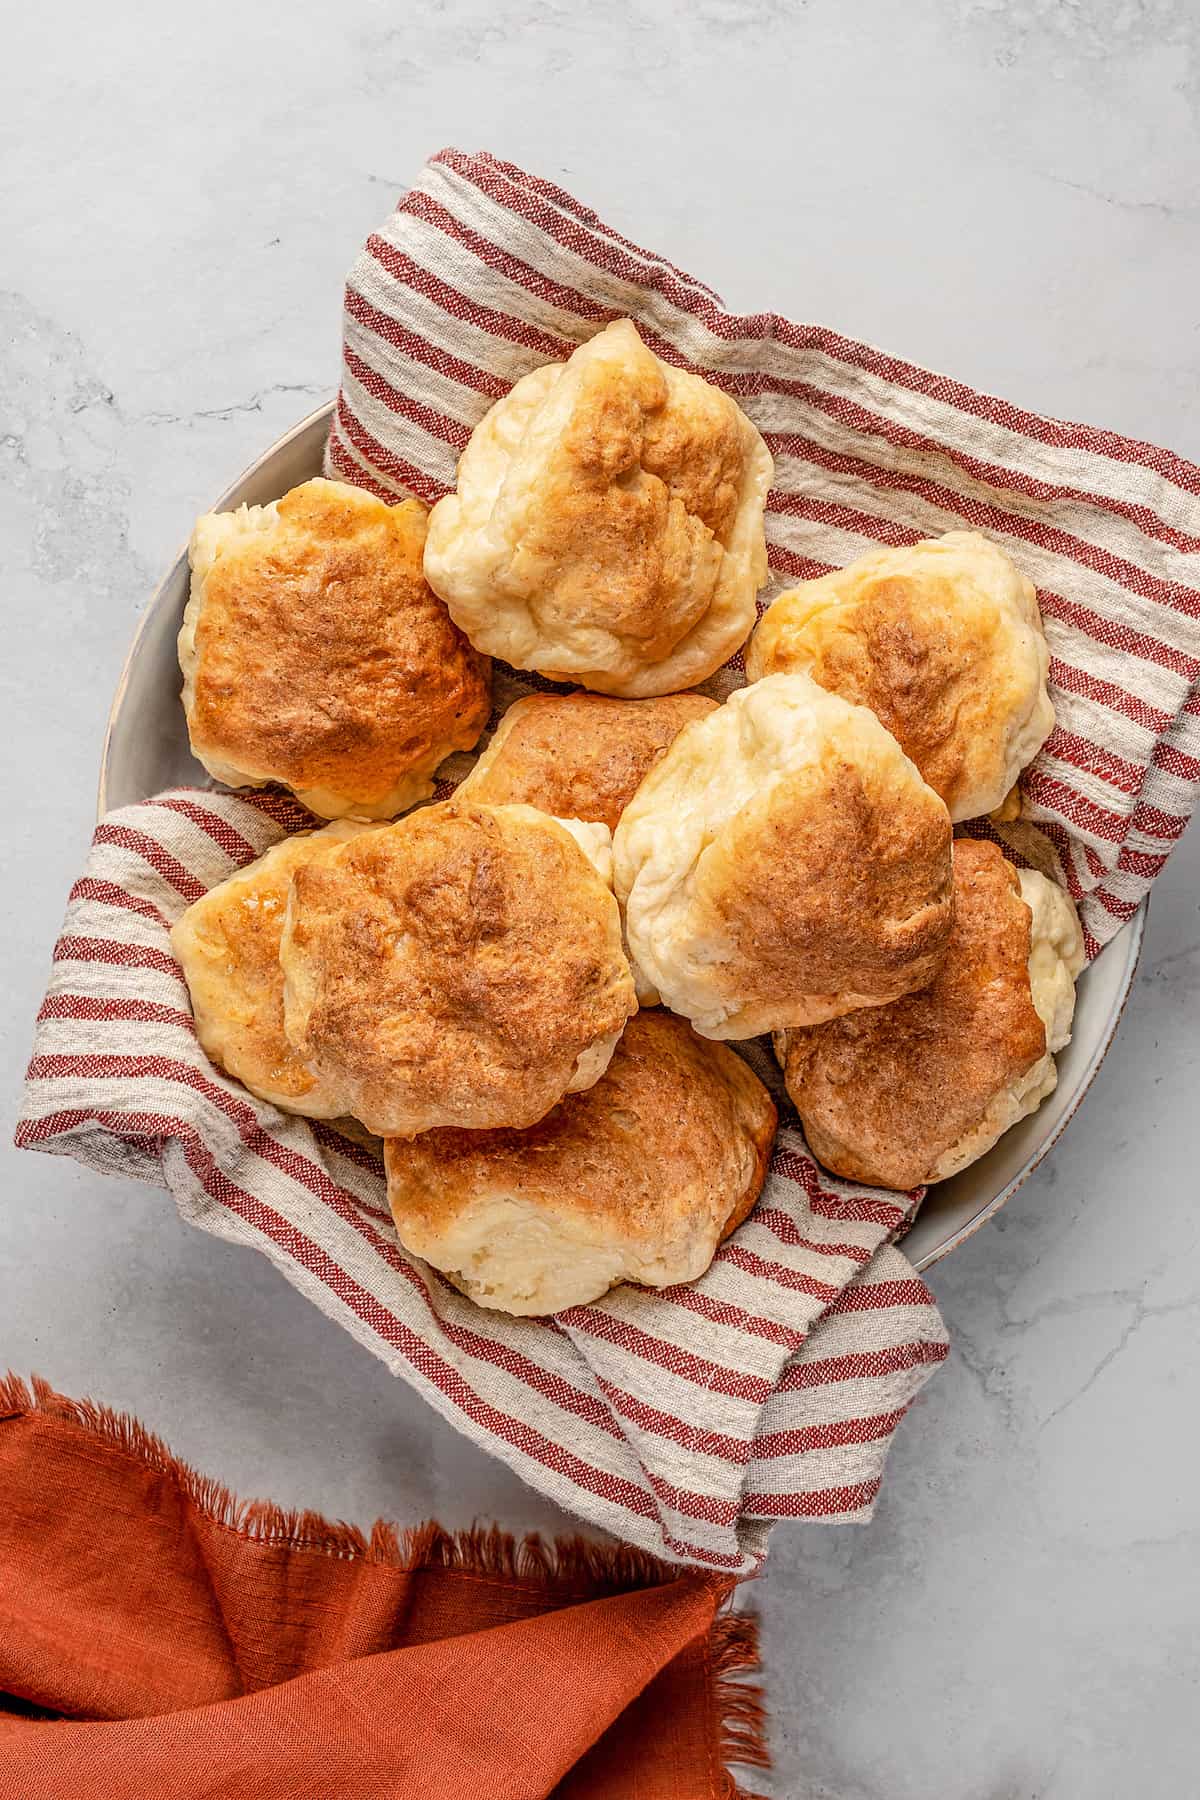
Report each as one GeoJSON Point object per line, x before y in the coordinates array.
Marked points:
{"type": "Point", "coordinates": [741, 1716]}
{"type": "Point", "coordinates": [479, 1550]}
{"type": "Point", "coordinates": [259, 1521]}
{"type": "Point", "coordinates": [597, 1409]}
{"type": "Point", "coordinates": [558, 1564]}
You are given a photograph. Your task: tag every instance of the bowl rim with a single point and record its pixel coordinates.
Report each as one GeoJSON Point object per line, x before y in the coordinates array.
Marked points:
{"type": "Point", "coordinates": [1131, 935]}
{"type": "Point", "coordinates": [1136, 926]}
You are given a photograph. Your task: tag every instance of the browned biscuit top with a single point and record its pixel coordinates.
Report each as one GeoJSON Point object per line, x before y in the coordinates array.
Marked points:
{"type": "Point", "coordinates": [579, 756]}
{"type": "Point", "coordinates": [455, 968]}
{"type": "Point", "coordinates": [322, 657]}
{"type": "Point", "coordinates": [885, 1092]}
{"type": "Point", "coordinates": [943, 641]}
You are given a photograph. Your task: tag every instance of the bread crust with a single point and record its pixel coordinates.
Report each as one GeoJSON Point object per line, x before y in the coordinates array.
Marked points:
{"type": "Point", "coordinates": [607, 526]}
{"type": "Point", "coordinates": [227, 944]}
{"type": "Point", "coordinates": [783, 863]}
{"type": "Point", "coordinates": [909, 1093]}
{"type": "Point", "coordinates": [579, 756]}
{"type": "Point", "coordinates": [462, 967]}
{"type": "Point", "coordinates": [943, 641]}
{"type": "Point", "coordinates": [315, 653]}
{"type": "Point", "coordinates": [637, 1179]}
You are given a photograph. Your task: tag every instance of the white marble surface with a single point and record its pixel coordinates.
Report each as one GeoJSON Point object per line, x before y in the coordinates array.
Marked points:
{"type": "Point", "coordinates": [1008, 189]}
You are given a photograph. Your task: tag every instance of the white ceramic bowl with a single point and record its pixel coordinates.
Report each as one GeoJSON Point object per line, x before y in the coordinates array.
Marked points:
{"type": "Point", "coordinates": [146, 749]}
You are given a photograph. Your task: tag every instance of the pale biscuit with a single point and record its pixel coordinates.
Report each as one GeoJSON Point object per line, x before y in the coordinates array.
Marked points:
{"type": "Point", "coordinates": [637, 1179]}
{"type": "Point", "coordinates": [608, 523]}
{"type": "Point", "coordinates": [227, 944]}
{"type": "Point", "coordinates": [783, 863]}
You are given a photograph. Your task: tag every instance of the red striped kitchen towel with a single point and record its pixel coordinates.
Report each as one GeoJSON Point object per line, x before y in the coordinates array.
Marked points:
{"type": "Point", "coordinates": [484, 272]}
{"type": "Point", "coordinates": [684, 1421]}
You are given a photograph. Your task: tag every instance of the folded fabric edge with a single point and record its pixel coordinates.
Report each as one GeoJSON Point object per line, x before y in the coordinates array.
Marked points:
{"type": "Point", "coordinates": [130, 1158]}
{"type": "Point", "coordinates": [567, 1569]}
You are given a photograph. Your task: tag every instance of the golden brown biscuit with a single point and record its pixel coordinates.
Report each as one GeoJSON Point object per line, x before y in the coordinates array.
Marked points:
{"type": "Point", "coordinates": [227, 944]}
{"type": "Point", "coordinates": [463, 967]}
{"type": "Point", "coordinates": [943, 641]}
{"type": "Point", "coordinates": [905, 1094]}
{"type": "Point", "coordinates": [315, 654]}
{"type": "Point", "coordinates": [579, 756]}
{"type": "Point", "coordinates": [636, 1180]}
{"type": "Point", "coordinates": [784, 863]}
{"type": "Point", "coordinates": [608, 523]}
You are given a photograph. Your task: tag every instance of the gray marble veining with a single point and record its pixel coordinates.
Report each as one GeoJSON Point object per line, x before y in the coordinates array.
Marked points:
{"type": "Point", "coordinates": [1009, 191]}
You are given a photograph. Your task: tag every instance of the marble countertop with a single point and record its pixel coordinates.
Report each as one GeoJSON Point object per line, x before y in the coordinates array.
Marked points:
{"type": "Point", "coordinates": [1010, 192]}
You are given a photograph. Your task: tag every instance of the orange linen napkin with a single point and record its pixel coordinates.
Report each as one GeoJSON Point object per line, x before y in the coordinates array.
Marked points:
{"type": "Point", "coordinates": [195, 1646]}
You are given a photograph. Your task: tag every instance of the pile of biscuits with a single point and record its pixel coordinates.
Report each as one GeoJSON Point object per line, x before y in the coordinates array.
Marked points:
{"type": "Point", "coordinates": [528, 990]}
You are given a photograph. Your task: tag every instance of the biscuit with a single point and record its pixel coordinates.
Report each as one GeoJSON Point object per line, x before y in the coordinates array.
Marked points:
{"type": "Point", "coordinates": [911, 1093]}
{"type": "Point", "coordinates": [461, 967]}
{"type": "Point", "coordinates": [943, 641]}
{"type": "Point", "coordinates": [784, 863]}
{"type": "Point", "coordinates": [227, 944]}
{"type": "Point", "coordinates": [579, 756]}
{"type": "Point", "coordinates": [315, 654]}
{"type": "Point", "coordinates": [637, 1179]}
{"type": "Point", "coordinates": [607, 528]}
